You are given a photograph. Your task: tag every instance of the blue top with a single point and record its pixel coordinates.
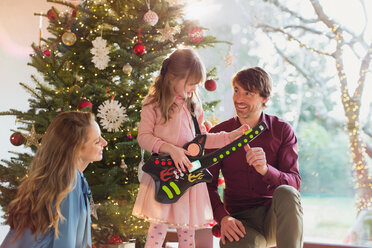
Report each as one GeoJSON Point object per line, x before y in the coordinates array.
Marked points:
{"type": "Point", "coordinates": [74, 231]}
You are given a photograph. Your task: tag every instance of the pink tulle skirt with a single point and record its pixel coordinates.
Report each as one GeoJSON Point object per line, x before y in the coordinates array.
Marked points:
{"type": "Point", "coordinates": [192, 210]}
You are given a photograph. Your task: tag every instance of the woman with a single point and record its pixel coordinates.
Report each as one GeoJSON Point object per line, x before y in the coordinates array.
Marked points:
{"type": "Point", "coordinates": [51, 207]}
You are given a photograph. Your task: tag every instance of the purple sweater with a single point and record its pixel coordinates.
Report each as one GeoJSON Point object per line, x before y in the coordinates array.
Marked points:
{"type": "Point", "coordinates": [246, 188]}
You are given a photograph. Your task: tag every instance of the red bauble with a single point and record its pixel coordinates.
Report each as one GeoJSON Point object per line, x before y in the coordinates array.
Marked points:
{"type": "Point", "coordinates": [196, 34]}
{"type": "Point", "coordinates": [17, 139]}
{"type": "Point", "coordinates": [216, 231]}
{"type": "Point", "coordinates": [221, 181]}
{"type": "Point", "coordinates": [84, 104]}
{"type": "Point", "coordinates": [115, 239]}
{"type": "Point", "coordinates": [210, 85]}
{"type": "Point", "coordinates": [47, 52]}
{"type": "Point", "coordinates": [51, 14]}
{"type": "Point", "coordinates": [139, 49]}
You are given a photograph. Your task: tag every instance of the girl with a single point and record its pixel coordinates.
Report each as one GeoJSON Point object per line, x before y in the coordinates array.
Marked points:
{"type": "Point", "coordinates": [166, 125]}
{"type": "Point", "coordinates": [51, 208]}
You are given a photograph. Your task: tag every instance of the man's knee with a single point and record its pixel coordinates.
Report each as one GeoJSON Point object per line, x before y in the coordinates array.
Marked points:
{"type": "Point", "coordinates": [249, 241]}
{"type": "Point", "coordinates": [287, 197]}
{"type": "Point", "coordinates": [286, 192]}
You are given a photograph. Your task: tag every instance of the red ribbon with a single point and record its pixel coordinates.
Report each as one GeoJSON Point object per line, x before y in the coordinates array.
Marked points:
{"type": "Point", "coordinates": [139, 35]}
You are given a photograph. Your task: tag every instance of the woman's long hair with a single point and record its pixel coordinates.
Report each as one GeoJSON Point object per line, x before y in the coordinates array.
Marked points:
{"type": "Point", "coordinates": [182, 63]}
{"type": "Point", "coordinates": [52, 175]}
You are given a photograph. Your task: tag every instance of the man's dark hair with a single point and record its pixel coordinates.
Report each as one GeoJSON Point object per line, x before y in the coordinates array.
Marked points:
{"type": "Point", "coordinates": [255, 80]}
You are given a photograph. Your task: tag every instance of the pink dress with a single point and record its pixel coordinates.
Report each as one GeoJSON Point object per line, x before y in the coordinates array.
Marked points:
{"type": "Point", "coordinates": [193, 209]}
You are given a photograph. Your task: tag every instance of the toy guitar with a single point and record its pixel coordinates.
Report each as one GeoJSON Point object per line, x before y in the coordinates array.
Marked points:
{"type": "Point", "coordinates": [171, 183]}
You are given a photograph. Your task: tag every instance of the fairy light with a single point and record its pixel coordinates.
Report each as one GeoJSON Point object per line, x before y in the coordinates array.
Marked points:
{"type": "Point", "coordinates": [351, 104]}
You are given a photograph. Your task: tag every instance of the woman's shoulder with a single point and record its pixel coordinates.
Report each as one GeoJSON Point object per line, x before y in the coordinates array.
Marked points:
{"type": "Point", "coordinates": [27, 239]}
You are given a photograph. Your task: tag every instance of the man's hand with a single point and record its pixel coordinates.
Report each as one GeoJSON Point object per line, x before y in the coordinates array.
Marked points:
{"type": "Point", "coordinates": [256, 157]}
{"type": "Point", "coordinates": [231, 228]}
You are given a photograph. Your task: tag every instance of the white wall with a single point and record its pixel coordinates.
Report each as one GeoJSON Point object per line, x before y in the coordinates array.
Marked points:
{"type": "Point", "coordinates": [18, 29]}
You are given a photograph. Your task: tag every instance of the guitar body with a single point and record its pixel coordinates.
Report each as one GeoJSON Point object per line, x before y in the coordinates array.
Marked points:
{"type": "Point", "coordinates": [171, 184]}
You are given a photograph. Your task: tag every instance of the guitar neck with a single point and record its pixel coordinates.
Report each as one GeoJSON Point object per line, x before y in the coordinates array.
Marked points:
{"type": "Point", "coordinates": [213, 158]}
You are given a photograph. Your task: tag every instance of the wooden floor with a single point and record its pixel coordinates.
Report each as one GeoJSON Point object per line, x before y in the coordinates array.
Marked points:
{"type": "Point", "coordinates": [205, 240]}
{"type": "Point", "coordinates": [214, 243]}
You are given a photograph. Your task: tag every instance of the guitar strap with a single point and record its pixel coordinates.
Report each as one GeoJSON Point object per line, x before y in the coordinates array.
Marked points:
{"type": "Point", "coordinates": [196, 124]}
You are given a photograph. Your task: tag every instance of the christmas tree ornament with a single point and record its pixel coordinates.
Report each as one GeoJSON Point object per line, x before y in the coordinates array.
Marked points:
{"type": "Point", "coordinates": [17, 139]}
{"type": "Point", "coordinates": [115, 239]}
{"type": "Point", "coordinates": [112, 115]}
{"type": "Point", "coordinates": [216, 231]}
{"type": "Point", "coordinates": [139, 49]}
{"type": "Point", "coordinates": [167, 32]}
{"type": "Point", "coordinates": [210, 85]}
{"type": "Point", "coordinates": [100, 52]}
{"type": "Point", "coordinates": [68, 38]}
{"type": "Point", "coordinates": [123, 165]}
{"type": "Point", "coordinates": [93, 208]}
{"type": "Point", "coordinates": [127, 68]}
{"type": "Point", "coordinates": [228, 58]}
{"type": "Point", "coordinates": [74, 87]}
{"type": "Point", "coordinates": [51, 14]}
{"type": "Point", "coordinates": [221, 180]}
{"type": "Point", "coordinates": [196, 34]}
{"type": "Point", "coordinates": [208, 125]}
{"type": "Point", "coordinates": [47, 52]}
{"type": "Point", "coordinates": [150, 17]}
{"type": "Point", "coordinates": [140, 165]}
{"type": "Point", "coordinates": [85, 104]}
{"type": "Point", "coordinates": [32, 138]}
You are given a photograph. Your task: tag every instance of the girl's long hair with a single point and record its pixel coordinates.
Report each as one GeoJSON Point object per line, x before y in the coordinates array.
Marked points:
{"type": "Point", "coordinates": [182, 63]}
{"type": "Point", "coordinates": [52, 175]}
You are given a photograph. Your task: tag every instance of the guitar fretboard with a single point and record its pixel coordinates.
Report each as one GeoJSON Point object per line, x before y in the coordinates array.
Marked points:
{"type": "Point", "coordinates": [225, 151]}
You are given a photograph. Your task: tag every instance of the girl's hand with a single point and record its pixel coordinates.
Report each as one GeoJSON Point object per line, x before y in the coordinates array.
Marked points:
{"type": "Point", "coordinates": [178, 156]}
{"type": "Point", "coordinates": [233, 135]}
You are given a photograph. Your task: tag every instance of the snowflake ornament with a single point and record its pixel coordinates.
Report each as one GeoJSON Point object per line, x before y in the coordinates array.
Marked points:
{"type": "Point", "coordinates": [112, 115]}
{"type": "Point", "coordinates": [100, 52]}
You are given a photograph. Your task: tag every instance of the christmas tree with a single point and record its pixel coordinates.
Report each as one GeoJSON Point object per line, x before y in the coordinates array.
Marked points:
{"type": "Point", "coordinates": [101, 56]}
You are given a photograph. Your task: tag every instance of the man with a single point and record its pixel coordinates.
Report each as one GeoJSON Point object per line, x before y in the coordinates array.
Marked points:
{"type": "Point", "coordinates": [262, 205]}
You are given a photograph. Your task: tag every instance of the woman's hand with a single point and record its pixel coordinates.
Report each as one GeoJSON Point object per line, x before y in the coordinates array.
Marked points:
{"type": "Point", "coordinates": [233, 135]}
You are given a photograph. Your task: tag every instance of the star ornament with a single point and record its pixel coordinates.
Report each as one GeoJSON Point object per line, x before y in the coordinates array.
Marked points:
{"type": "Point", "coordinates": [93, 208]}
{"type": "Point", "coordinates": [228, 58]}
{"type": "Point", "coordinates": [168, 32]}
{"type": "Point", "coordinates": [32, 138]}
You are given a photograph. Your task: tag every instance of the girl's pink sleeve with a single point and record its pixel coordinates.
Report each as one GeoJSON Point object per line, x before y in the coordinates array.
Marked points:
{"type": "Point", "coordinates": [146, 138]}
{"type": "Point", "coordinates": [214, 140]}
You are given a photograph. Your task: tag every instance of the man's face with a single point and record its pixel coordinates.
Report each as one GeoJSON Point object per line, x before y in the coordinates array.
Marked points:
{"type": "Point", "coordinates": [247, 103]}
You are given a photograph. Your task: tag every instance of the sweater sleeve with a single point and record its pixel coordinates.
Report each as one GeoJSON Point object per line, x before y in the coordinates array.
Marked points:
{"type": "Point", "coordinates": [214, 140]}
{"type": "Point", "coordinates": [286, 172]}
{"type": "Point", "coordinates": [68, 227]}
{"type": "Point", "coordinates": [146, 138]}
{"type": "Point", "coordinates": [219, 210]}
